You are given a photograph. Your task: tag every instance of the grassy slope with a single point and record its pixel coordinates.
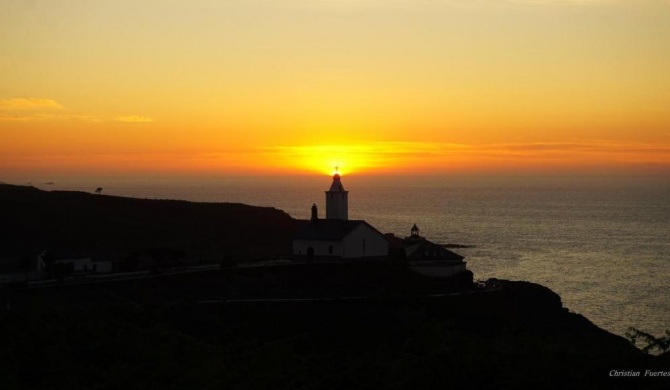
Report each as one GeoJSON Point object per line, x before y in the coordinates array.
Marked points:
{"type": "Point", "coordinates": [32, 220]}
{"type": "Point", "coordinates": [151, 333]}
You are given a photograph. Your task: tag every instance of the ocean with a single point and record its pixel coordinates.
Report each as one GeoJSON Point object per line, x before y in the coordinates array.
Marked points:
{"type": "Point", "coordinates": [603, 244]}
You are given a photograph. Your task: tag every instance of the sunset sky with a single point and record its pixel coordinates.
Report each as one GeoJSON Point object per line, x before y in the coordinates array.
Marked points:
{"type": "Point", "coordinates": [146, 88]}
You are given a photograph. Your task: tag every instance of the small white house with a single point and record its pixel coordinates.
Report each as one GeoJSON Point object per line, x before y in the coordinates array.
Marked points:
{"type": "Point", "coordinates": [430, 259]}
{"type": "Point", "coordinates": [74, 263]}
{"type": "Point", "coordinates": [19, 276]}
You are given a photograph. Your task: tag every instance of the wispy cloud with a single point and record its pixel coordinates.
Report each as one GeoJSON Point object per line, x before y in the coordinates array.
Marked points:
{"type": "Point", "coordinates": [29, 104]}
{"type": "Point", "coordinates": [566, 2]}
{"type": "Point", "coordinates": [577, 146]}
{"type": "Point", "coordinates": [367, 4]}
{"type": "Point", "coordinates": [39, 109]}
{"type": "Point", "coordinates": [13, 117]}
{"type": "Point", "coordinates": [134, 119]}
{"type": "Point", "coordinates": [30, 116]}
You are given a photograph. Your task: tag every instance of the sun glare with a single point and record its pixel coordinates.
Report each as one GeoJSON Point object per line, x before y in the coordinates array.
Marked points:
{"type": "Point", "coordinates": [328, 159]}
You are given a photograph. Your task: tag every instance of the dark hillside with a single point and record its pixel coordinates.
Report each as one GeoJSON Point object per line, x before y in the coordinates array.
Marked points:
{"type": "Point", "coordinates": [173, 332]}
{"type": "Point", "coordinates": [113, 227]}
{"type": "Point", "coordinates": [379, 328]}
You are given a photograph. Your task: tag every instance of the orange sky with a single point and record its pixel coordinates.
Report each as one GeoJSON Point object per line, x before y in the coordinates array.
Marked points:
{"type": "Point", "coordinates": [294, 86]}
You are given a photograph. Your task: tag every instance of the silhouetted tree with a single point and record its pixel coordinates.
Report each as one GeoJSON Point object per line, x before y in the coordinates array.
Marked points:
{"type": "Point", "coordinates": [660, 344]}
{"type": "Point", "coordinates": [98, 190]}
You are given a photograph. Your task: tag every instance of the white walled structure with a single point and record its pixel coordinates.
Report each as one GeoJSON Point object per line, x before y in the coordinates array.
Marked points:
{"type": "Point", "coordinates": [364, 241]}
{"type": "Point", "coordinates": [430, 259]}
{"type": "Point", "coordinates": [77, 264]}
{"type": "Point", "coordinates": [338, 239]}
{"type": "Point", "coordinates": [87, 265]}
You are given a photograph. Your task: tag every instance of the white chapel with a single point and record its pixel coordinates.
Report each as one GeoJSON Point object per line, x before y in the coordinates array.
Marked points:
{"type": "Point", "coordinates": [336, 238]}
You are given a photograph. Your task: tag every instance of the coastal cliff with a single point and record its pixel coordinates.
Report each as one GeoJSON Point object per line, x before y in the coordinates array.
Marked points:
{"type": "Point", "coordinates": [233, 328]}
{"type": "Point", "coordinates": [119, 228]}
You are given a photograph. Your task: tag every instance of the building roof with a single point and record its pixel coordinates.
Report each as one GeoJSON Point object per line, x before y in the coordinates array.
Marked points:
{"type": "Point", "coordinates": [337, 184]}
{"type": "Point", "coordinates": [423, 249]}
{"type": "Point", "coordinates": [329, 229]}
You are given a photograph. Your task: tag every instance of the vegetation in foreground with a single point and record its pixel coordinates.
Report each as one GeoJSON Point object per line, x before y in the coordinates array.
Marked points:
{"type": "Point", "coordinates": [159, 333]}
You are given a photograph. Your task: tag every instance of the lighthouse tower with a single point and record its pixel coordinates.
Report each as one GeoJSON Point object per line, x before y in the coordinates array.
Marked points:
{"type": "Point", "coordinates": [337, 200]}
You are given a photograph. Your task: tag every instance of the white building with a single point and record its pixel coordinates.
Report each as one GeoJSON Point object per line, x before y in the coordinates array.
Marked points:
{"type": "Point", "coordinates": [71, 263]}
{"type": "Point", "coordinates": [63, 263]}
{"type": "Point", "coordinates": [336, 237]}
{"type": "Point", "coordinates": [430, 259]}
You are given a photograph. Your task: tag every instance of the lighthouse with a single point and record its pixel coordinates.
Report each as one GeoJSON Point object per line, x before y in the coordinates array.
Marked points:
{"type": "Point", "coordinates": [337, 200]}
{"type": "Point", "coordinates": [336, 237]}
